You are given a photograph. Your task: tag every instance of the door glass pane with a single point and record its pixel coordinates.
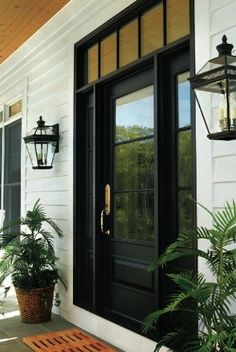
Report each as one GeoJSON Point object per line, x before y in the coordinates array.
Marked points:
{"type": "Point", "coordinates": [128, 43]}
{"type": "Point", "coordinates": [184, 113]}
{"type": "Point", "coordinates": [108, 54]}
{"type": "Point", "coordinates": [184, 158]}
{"type": "Point", "coordinates": [134, 165]}
{"type": "Point", "coordinates": [185, 210]}
{"type": "Point", "coordinates": [152, 29]}
{"type": "Point", "coordinates": [134, 216]}
{"type": "Point", "coordinates": [134, 115]}
{"type": "Point", "coordinates": [177, 19]}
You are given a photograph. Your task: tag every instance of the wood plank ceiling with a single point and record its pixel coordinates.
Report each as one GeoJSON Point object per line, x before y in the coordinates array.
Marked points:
{"type": "Point", "coordinates": [20, 19]}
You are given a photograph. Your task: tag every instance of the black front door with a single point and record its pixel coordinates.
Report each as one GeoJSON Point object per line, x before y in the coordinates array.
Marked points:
{"type": "Point", "coordinates": [133, 184]}
{"type": "Point", "coordinates": [128, 288]}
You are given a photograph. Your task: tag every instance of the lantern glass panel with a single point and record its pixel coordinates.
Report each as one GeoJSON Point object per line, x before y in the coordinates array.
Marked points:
{"type": "Point", "coordinates": [41, 154]}
{"type": "Point", "coordinates": [213, 105]}
{"type": "Point", "coordinates": [218, 105]}
{"type": "Point", "coordinates": [219, 63]}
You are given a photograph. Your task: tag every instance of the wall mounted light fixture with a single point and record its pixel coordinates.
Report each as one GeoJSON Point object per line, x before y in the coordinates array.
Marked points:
{"type": "Point", "coordinates": [42, 143]}
{"type": "Point", "coordinates": [217, 79]}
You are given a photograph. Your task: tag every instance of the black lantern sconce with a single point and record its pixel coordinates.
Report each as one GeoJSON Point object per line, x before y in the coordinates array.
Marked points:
{"type": "Point", "coordinates": [215, 91]}
{"type": "Point", "coordinates": [42, 143]}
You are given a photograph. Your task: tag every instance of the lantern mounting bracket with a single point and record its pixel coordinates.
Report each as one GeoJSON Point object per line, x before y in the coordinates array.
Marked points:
{"type": "Point", "coordinates": [55, 129]}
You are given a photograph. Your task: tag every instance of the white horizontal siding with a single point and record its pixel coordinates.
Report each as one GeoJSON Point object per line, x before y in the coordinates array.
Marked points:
{"type": "Point", "coordinates": [224, 168]}
{"type": "Point", "coordinates": [55, 184]}
{"type": "Point", "coordinates": [217, 4]}
{"type": "Point", "coordinates": [56, 98]}
{"type": "Point", "coordinates": [46, 61]}
{"type": "Point", "coordinates": [222, 21]}
{"type": "Point", "coordinates": [218, 17]}
{"type": "Point", "coordinates": [49, 198]}
{"type": "Point", "coordinates": [223, 192]}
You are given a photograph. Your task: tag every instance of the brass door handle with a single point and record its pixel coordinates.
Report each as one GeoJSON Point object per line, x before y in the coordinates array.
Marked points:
{"type": "Point", "coordinates": [107, 232]}
{"type": "Point", "coordinates": [107, 209]}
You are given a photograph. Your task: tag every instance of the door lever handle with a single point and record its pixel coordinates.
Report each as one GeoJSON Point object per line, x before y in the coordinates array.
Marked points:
{"type": "Point", "coordinates": [107, 232]}
{"type": "Point", "coordinates": [107, 209]}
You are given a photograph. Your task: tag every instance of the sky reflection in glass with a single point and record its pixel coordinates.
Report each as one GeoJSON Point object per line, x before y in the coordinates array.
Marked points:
{"type": "Point", "coordinates": [183, 100]}
{"type": "Point", "coordinates": [134, 112]}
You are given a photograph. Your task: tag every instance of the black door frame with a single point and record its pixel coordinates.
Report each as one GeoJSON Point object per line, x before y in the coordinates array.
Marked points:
{"type": "Point", "coordinates": [99, 245]}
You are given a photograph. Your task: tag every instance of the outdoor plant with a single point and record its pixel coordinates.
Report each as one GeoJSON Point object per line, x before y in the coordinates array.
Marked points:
{"type": "Point", "coordinates": [28, 257]}
{"type": "Point", "coordinates": [202, 307]}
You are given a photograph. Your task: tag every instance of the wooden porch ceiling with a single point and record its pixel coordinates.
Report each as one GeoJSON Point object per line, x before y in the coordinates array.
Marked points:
{"type": "Point", "coordinates": [20, 19]}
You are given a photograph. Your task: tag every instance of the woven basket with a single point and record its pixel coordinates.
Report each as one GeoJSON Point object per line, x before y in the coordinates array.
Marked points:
{"type": "Point", "coordinates": [35, 305]}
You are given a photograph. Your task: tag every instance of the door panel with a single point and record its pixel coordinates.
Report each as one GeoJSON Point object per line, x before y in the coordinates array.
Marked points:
{"type": "Point", "coordinates": [130, 292]}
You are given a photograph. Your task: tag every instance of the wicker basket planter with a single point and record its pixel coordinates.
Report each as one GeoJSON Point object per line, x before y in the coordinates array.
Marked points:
{"type": "Point", "coordinates": [35, 305]}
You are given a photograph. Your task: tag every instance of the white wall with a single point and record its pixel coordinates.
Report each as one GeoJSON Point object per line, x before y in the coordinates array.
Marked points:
{"type": "Point", "coordinates": [216, 160]}
{"type": "Point", "coordinates": [216, 183]}
{"type": "Point", "coordinates": [223, 153]}
{"type": "Point", "coordinates": [45, 63]}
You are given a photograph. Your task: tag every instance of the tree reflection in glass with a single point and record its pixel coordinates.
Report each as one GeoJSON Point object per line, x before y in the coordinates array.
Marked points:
{"type": "Point", "coordinates": [134, 166]}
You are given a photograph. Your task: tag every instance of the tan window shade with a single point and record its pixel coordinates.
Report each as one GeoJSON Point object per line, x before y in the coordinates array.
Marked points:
{"type": "Point", "coordinates": [129, 43]}
{"type": "Point", "coordinates": [108, 54]}
{"type": "Point", "coordinates": [15, 108]}
{"type": "Point", "coordinates": [152, 30]}
{"type": "Point", "coordinates": [93, 63]}
{"type": "Point", "coordinates": [177, 19]}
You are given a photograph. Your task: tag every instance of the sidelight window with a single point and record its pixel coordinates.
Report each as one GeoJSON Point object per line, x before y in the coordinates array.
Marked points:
{"type": "Point", "coordinates": [10, 158]}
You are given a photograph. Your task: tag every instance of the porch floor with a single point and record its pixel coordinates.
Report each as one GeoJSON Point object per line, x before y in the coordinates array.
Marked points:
{"type": "Point", "coordinates": [12, 330]}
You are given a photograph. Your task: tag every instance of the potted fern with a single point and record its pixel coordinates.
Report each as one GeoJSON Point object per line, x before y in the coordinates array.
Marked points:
{"type": "Point", "coordinates": [202, 307]}
{"type": "Point", "coordinates": [29, 258]}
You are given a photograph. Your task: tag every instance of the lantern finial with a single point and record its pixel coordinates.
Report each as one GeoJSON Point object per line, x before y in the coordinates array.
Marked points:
{"type": "Point", "coordinates": [224, 48]}
{"type": "Point", "coordinates": [41, 122]}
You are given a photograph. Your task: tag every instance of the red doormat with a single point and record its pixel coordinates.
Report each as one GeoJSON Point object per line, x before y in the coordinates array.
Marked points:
{"type": "Point", "coordinates": [72, 340]}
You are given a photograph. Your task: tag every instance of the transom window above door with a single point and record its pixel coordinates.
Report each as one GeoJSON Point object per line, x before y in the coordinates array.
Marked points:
{"type": "Point", "coordinates": [163, 23]}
